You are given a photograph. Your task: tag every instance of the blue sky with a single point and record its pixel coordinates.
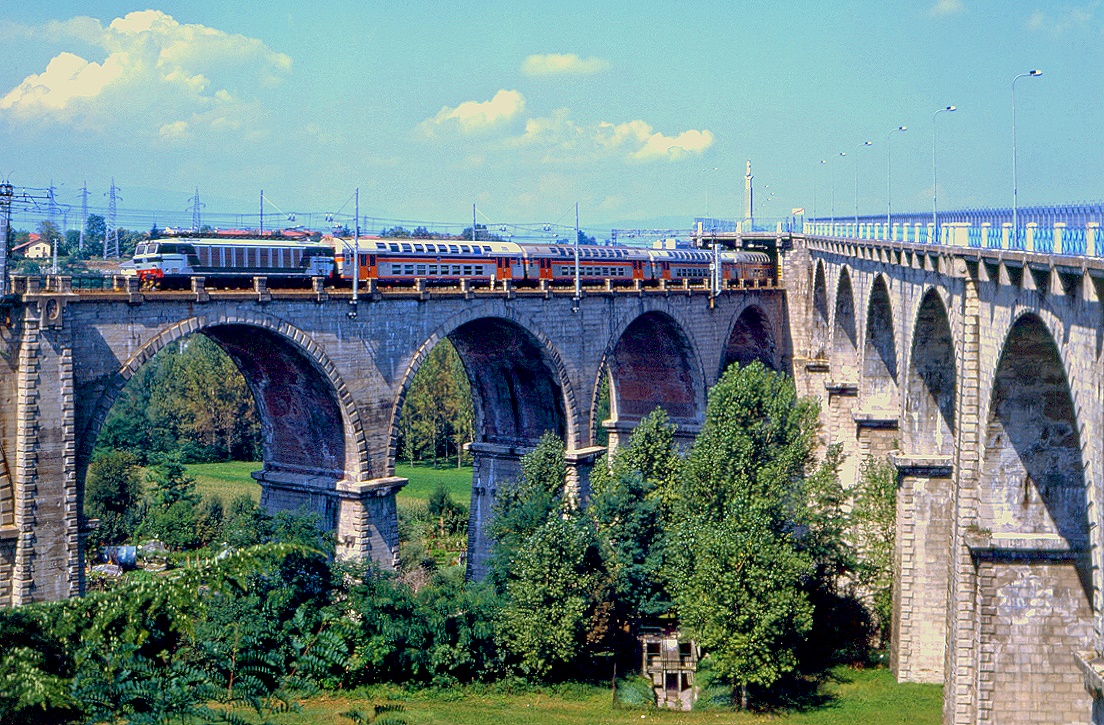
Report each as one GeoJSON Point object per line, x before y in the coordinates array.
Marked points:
{"type": "Point", "coordinates": [641, 112]}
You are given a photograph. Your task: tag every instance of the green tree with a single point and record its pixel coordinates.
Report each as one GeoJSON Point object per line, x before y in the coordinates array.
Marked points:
{"type": "Point", "coordinates": [171, 514]}
{"type": "Point", "coordinates": [735, 566]}
{"type": "Point", "coordinates": [49, 233]}
{"type": "Point", "coordinates": [95, 228]}
{"type": "Point", "coordinates": [437, 414]}
{"type": "Point", "coordinates": [874, 517]}
{"type": "Point", "coordinates": [112, 493]}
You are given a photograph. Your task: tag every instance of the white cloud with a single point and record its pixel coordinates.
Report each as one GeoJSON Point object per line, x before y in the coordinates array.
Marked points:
{"type": "Point", "coordinates": [562, 140]}
{"type": "Point", "coordinates": [947, 7]}
{"type": "Point", "coordinates": [471, 116]}
{"type": "Point", "coordinates": [1069, 18]}
{"type": "Point", "coordinates": [563, 64]}
{"type": "Point", "coordinates": [159, 77]}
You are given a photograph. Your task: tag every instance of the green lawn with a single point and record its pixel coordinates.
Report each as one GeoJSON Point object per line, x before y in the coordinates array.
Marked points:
{"type": "Point", "coordinates": [424, 479]}
{"type": "Point", "coordinates": [231, 479]}
{"type": "Point", "coordinates": [227, 480]}
{"type": "Point", "coordinates": [870, 697]}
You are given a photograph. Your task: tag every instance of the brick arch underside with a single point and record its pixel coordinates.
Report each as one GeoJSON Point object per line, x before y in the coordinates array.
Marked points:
{"type": "Point", "coordinates": [652, 366]}
{"type": "Point", "coordinates": [516, 392]}
{"type": "Point", "coordinates": [751, 339]}
{"type": "Point", "coordinates": [303, 407]}
{"type": "Point", "coordinates": [1035, 584]}
{"type": "Point", "coordinates": [930, 403]}
{"type": "Point", "coordinates": [845, 346]}
{"type": "Point", "coordinates": [821, 315]}
{"type": "Point", "coordinates": [880, 353]}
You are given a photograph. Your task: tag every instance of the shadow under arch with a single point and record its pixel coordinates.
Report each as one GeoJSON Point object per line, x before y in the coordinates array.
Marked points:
{"type": "Point", "coordinates": [751, 338]}
{"type": "Point", "coordinates": [932, 377]}
{"type": "Point", "coordinates": [1035, 577]}
{"type": "Point", "coordinates": [651, 364]}
{"type": "Point", "coordinates": [310, 427]}
{"type": "Point", "coordinates": [880, 372]}
{"type": "Point", "coordinates": [821, 314]}
{"type": "Point", "coordinates": [845, 346]}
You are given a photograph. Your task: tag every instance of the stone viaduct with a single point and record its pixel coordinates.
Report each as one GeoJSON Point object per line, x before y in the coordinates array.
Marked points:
{"type": "Point", "coordinates": [976, 371]}
{"type": "Point", "coordinates": [329, 379]}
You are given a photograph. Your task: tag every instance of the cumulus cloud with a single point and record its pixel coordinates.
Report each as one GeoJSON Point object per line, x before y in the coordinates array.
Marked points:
{"type": "Point", "coordinates": [561, 139]}
{"type": "Point", "coordinates": [947, 7]}
{"type": "Point", "coordinates": [158, 76]}
{"type": "Point", "coordinates": [471, 116]}
{"type": "Point", "coordinates": [563, 64]}
{"type": "Point", "coordinates": [1056, 25]}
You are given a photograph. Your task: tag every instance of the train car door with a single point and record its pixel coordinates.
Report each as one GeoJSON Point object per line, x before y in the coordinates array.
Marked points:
{"type": "Point", "coordinates": [638, 269]}
{"type": "Point", "coordinates": [665, 270]}
{"type": "Point", "coordinates": [545, 268]}
{"type": "Point", "coordinates": [503, 270]}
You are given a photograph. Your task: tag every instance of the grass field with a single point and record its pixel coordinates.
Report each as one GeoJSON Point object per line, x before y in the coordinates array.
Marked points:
{"type": "Point", "coordinates": [226, 480]}
{"type": "Point", "coordinates": [870, 697]}
{"type": "Point", "coordinates": [424, 479]}
{"type": "Point", "coordinates": [231, 479]}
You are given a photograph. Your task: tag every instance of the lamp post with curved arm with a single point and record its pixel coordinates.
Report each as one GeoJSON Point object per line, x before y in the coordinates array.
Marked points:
{"type": "Point", "coordinates": [1015, 191]}
{"type": "Point", "coordinates": [889, 176]}
{"type": "Point", "coordinates": [832, 170]}
{"type": "Point", "coordinates": [860, 146]}
{"type": "Point", "coordinates": [935, 177]}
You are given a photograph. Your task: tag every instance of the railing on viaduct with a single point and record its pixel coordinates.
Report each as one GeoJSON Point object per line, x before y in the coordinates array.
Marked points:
{"type": "Point", "coordinates": [1067, 230]}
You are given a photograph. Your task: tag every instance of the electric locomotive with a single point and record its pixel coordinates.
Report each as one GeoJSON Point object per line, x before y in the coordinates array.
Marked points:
{"type": "Point", "coordinates": [177, 258]}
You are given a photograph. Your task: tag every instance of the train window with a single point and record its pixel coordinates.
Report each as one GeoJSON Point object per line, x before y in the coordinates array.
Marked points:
{"type": "Point", "coordinates": [467, 270]}
{"type": "Point", "coordinates": [453, 249]}
{"type": "Point", "coordinates": [363, 260]}
{"type": "Point", "coordinates": [465, 249]}
{"type": "Point", "coordinates": [419, 247]}
{"type": "Point", "coordinates": [409, 269]}
{"type": "Point", "coordinates": [406, 248]}
{"type": "Point", "coordinates": [420, 270]}
{"type": "Point", "coordinates": [456, 270]}
{"type": "Point", "coordinates": [433, 269]}
{"type": "Point", "coordinates": [263, 257]}
{"type": "Point", "coordinates": [486, 249]}
{"type": "Point", "coordinates": [381, 245]}
{"type": "Point", "coordinates": [394, 247]}
{"type": "Point", "coordinates": [476, 249]}
{"type": "Point", "coordinates": [139, 250]}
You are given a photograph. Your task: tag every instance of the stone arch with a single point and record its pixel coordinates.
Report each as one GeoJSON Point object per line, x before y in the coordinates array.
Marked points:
{"type": "Point", "coordinates": [514, 407]}
{"type": "Point", "coordinates": [751, 338]}
{"type": "Point", "coordinates": [1034, 578]}
{"type": "Point", "coordinates": [880, 371]}
{"type": "Point", "coordinates": [932, 377]}
{"type": "Point", "coordinates": [652, 363]}
{"type": "Point", "coordinates": [7, 493]}
{"type": "Point", "coordinates": [312, 435]}
{"type": "Point", "coordinates": [845, 344]}
{"type": "Point", "coordinates": [821, 314]}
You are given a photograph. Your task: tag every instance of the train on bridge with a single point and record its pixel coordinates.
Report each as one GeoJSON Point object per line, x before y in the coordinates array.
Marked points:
{"type": "Point", "coordinates": [170, 262]}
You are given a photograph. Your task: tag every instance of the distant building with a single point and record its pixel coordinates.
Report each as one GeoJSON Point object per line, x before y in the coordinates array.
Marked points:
{"type": "Point", "coordinates": [33, 248]}
{"type": "Point", "coordinates": [670, 663]}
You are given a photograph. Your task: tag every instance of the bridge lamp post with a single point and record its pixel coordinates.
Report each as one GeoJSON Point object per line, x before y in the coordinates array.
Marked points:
{"type": "Point", "coordinates": [859, 147]}
{"type": "Point", "coordinates": [935, 178]}
{"type": "Point", "coordinates": [889, 176]}
{"type": "Point", "coordinates": [815, 175]}
{"type": "Point", "coordinates": [832, 170]}
{"type": "Point", "coordinates": [1015, 193]}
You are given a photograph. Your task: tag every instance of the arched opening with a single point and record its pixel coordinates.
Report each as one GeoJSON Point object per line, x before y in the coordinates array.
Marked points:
{"type": "Point", "coordinates": [751, 339]}
{"type": "Point", "coordinates": [1035, 579]}
{"type": "Point", "coordinates": [515, 392]}
{"type": "Point", "coordinates": [516, 397]}
{"type": "Point", "coordinates": [880, 353]}
{"type": "Point", "coordinates": [652, 365]}
{"type": "Point", "coordinates": [821, 315]}
{"type": "Point", "coordinates": [226, 396]}
{"type": "Point", "coordinates": [845, 347]}
{"type": "Point", "coordinates": [925, 512]}
{"type": "Point", "coordinates": [930, 403]}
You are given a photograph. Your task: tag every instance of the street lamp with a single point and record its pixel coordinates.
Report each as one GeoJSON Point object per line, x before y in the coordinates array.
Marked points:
{"type": "Point", "coordinates": [889, 176]}
{"type": "Point", "coordinates": [708, 184]}
{"type": "Point", "coordinates": [815, 175]}
{"type": "Point", "coordinates": [935, 178]}
{"type": "Point", "coordinates": [832, 173]}
{"type": "Point", "coordinates": [864, 143]}
{"type": "Point", "coordinates": [1015, 191]}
